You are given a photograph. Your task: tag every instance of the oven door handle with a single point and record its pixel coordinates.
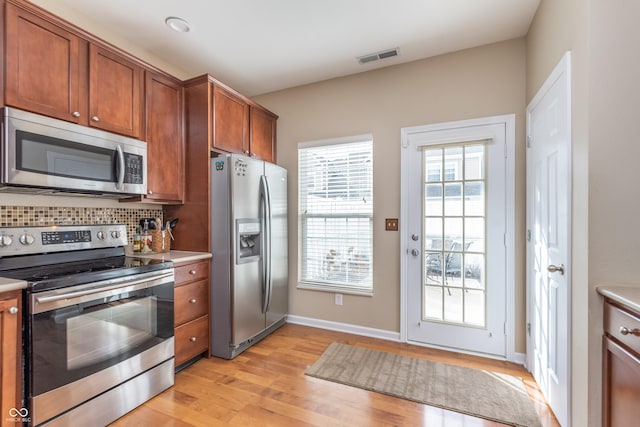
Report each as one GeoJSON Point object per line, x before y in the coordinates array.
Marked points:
{"type": "Point", "coordinates": [120, 287]}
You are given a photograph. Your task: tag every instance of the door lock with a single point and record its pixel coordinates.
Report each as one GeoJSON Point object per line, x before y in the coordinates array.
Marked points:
{"type": "Point", "coordinates": [415, 252]}
{"type": "Point", "coordinates": [556, 269]}
{"type": "Point", "coordinates": [415, 237]}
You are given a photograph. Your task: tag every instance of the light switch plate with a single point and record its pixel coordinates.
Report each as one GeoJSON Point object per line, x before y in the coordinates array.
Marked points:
{"type": "Point", "coordinates": [391, 224]}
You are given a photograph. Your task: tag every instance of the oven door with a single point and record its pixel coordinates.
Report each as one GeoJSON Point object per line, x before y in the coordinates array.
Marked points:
{"type": "Point", "coordinates": [86, 339]}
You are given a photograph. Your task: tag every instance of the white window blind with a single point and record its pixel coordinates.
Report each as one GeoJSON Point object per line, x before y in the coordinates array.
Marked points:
{"type": "Point", "coordinates": [336, 214]}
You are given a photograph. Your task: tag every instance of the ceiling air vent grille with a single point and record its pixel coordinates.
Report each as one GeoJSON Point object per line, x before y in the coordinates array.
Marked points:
{"type": "Point", "coordinates": [389, 53]}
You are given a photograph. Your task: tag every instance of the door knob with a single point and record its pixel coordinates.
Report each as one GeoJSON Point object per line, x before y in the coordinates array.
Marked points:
{"type": "Point", "coordinates": [556, 269]}
{"type": "Point", "coordinates": [415, 252]}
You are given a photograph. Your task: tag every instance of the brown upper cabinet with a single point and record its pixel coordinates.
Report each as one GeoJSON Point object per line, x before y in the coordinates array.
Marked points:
{"type": "Point", "coordinates": [262, 137]}
{"type": "Point", "coordinates": [115, 92]}
{"type": "Point", "coordinates": [230, 121]}
{"type": "Point", "coordinates": [164, 135]}
{"type": "Point", "coordinates": [43, 67]}
{"type": "Point", "coordinates": [238, 125]}
{"type": "Point", "coordinates": [52, 71]}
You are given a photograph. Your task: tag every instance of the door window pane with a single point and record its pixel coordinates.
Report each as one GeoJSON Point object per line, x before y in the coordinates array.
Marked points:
{"type": "Point", "coordinates": [455, 235]}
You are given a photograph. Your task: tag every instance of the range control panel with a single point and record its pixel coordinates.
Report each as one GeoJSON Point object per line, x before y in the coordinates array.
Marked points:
{"type": "Point", "coordinates": [35, 240]}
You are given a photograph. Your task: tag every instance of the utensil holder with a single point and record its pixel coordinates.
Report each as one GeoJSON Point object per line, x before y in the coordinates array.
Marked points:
{"type": "Point", "coordinates": [161, 241]}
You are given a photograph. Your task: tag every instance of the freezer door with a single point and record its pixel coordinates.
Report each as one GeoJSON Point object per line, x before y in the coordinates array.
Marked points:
{"type": "Point", "coordinates": [246, 286]}
{"type": "Point", "coordinates": [279, 298]}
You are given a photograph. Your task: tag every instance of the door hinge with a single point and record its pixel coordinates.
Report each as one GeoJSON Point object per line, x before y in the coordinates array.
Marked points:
{"type": "Point", "coordinates": [506, 151]}
{"type": "Point", "coordinates": [504, 329]}
{"type": "Point", "coordinates": [504, 239]}
{"type": "Point", "coordinates": [529, 328]}
{"type": "Point", "coordinates": [529, 141]}
{"type": "Point", "coordinates": [528, 235]}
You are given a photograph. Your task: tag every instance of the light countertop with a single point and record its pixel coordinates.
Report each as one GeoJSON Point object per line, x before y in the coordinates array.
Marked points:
{"type": "Point", "coordinates": [626, 295]}
{"type": "Point", "coordinates": [11, 284]}
{"type": "Point", "coordinates": [178, 257]}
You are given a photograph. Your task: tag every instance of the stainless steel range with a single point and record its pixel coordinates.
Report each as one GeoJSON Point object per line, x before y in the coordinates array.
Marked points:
{"type": "Point", "coordinates": [98, 334]}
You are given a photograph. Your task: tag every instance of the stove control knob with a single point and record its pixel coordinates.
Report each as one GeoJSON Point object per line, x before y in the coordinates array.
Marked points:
{"type": "Point", "coordinates": [115, 234]}
{"type": "Point", "coordinates": [27, 239]}
{"type": "Point", "coordinates": [100, 235]}
{"type": "Point", "coordinates": [5, 240]}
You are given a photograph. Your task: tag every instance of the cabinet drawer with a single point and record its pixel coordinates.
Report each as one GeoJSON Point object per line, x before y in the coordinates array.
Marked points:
{"type": "Point", "coordinates": [191, 272]}
{"type": "Point", "coordinates": [616, 319]}
{"type": "Point", "coordinates": [191, 339]}
{"type": "Point", "coordinates": [191, 301]}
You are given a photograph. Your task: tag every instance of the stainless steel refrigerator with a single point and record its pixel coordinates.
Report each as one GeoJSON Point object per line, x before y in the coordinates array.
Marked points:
{"type": "Point", "coordinates": [249, 276]}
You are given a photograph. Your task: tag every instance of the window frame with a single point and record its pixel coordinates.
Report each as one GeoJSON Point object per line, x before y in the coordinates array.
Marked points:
{"type": "Point", "coordinates": [328, 285]}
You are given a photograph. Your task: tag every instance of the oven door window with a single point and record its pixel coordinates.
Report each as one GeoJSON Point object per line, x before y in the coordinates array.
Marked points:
{"type": "Point", "coordinates": [53, 156]}
{"type": "Point", "coordinates": [76, 341]}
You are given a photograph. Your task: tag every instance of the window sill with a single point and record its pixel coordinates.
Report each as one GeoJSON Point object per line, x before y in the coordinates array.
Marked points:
{"type": "Point", "coordinates": [334, 289]}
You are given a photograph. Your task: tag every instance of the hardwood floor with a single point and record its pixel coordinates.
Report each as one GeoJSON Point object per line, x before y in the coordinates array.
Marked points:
{"type": "Point", "coordinates": [266, 386]}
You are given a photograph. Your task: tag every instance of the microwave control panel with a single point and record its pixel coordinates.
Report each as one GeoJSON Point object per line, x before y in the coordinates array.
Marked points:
{"type": "Point", "coordinates": [133, 173]}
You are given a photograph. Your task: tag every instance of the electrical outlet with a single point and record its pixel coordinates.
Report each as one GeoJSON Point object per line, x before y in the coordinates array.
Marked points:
{"type": "Point", "coordinates": [391, 224]}
{"type": "Point", "coordinates": [338, 299]}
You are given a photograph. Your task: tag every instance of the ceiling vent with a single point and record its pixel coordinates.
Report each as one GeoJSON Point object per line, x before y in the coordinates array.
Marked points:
{"type": "Point", "coordinates": [389, 53]}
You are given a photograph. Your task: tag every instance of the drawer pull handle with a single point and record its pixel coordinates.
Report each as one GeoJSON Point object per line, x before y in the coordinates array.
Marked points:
{"type": "Point", "coordinates": [626, 331]}
{"type": "Point", "coordinates": [192, 272]}
{"type": "Point", "coordinates": [193, 301]}
{"type": "Point", "coordinates": [193, 339]}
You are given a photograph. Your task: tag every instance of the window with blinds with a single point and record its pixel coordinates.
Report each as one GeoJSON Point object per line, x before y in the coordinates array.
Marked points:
{"type": "Point", "coordinates": [336, 214]}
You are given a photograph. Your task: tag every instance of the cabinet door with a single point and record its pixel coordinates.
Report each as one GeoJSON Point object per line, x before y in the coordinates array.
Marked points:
{"type": "Point", "coordinates": [164, 136]}
{"type": "Point", "coordinates": [263, 134]}
{"type": "Point", "coordinates": [621, 388]}
{"type": "Point", "coordinates": [42, 66]}
{"type": "Point", "coordinates": [230, 121]}
{"type": "Point", "coordinates": [115, 92]}
{"type": "Point", "coordinates": [10, 354]}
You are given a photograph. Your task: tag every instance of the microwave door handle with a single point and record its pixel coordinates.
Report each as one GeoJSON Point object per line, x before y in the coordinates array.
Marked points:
{"type": "Point", "coordinates": [120, 167]}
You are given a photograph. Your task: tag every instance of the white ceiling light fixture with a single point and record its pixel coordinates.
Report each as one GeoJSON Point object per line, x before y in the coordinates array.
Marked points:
{"type": "Point", "coordinates": [177, 24]}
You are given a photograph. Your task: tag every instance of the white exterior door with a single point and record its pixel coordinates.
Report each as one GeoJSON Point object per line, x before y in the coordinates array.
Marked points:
{"type": "Point", "coordinates": [457, 203]}
{"type": "Point", "coordinates": [548, 227]}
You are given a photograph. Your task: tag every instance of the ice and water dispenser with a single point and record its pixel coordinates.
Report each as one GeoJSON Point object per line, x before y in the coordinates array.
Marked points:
{"type": "Point", "coordinates": [247, 240]}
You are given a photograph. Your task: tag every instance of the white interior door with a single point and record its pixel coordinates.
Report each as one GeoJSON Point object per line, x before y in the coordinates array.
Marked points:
{"type": "Point", "coordinates": [457, 210]}
{"type": "Point", "coordinates": [548, 229]}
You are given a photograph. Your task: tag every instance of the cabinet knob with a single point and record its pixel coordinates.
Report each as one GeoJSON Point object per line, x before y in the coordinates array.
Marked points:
{"type": "Point", "coordinates": [193, 339]}
{"type": "Point", "coordinates": [76, 114]}
{"type": "Point", "coordinates": [626, 331]}
{"type": "Point", "coordinates": [149, 192]}
{"type": "Point", "coordinates": [192, 272]}
{"type": "Point", "coordinates": [193, 301]}
{"type": "Point", "coordinates": [95, 118]}
{"type": "Point", "coordinates": [13, 310]}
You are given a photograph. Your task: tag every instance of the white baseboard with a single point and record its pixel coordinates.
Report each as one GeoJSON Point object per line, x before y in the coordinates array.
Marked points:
{"type": "Point", "coordinates": [518, 358]}
{"type": "Point", "coordinates": [344, 327]}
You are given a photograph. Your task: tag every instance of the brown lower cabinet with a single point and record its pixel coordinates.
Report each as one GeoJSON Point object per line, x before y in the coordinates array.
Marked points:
{"type": "Point", "coordinates": [621, 366]}
{"type": "Point", "coordinates": [10, 353]}
{"type": "Point", "coordinates": [191, 315]}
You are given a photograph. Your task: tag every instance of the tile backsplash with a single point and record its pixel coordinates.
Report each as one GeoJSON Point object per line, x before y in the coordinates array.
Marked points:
{"type": "Point", "coordinates": [34, 216]}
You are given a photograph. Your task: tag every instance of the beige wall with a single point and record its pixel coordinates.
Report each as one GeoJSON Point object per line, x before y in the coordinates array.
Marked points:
{"type": "Point", "coordinates": [559, 26]}
{"type": "Point", "coordinates": [479, 82]}
{"type": "Point", "coordinates": [614, 127]}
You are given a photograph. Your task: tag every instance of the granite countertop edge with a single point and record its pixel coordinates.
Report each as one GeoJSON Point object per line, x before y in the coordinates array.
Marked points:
{"type": "Point", "coordinates": [178, 257]}
{"type": "Point", "coordinates": [7, 285]}
{"type": "Point", "coordinates": [628, 296]}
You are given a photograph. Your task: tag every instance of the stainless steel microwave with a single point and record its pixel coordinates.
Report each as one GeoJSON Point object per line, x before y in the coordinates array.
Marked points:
{"type": "Point", "coordinates": [48, 156]}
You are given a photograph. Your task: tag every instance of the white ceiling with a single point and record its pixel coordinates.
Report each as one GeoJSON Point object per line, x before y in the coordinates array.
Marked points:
{"type": "Point", "coordinates": [259, 46]}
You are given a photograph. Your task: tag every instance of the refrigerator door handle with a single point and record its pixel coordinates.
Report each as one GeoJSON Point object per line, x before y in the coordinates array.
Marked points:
{"type": "Point", "coordinates": [265, 219]}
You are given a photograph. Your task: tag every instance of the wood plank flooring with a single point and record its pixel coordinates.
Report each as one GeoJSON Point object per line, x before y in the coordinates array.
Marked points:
{"type": "Point", "coordinates": [266, 386]}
